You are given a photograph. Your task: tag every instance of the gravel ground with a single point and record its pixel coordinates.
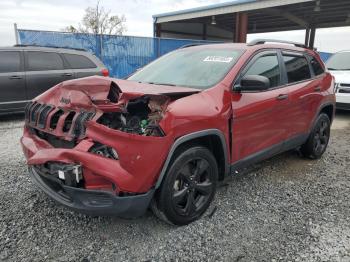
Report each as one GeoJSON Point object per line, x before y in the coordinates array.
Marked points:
{"type": "Point", "coordinates": [284, 209]}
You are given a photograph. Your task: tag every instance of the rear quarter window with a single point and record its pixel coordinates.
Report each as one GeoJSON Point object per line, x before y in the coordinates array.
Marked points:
{"type": "Point", "coordinates": [79, 61]}
{"type": "Point", "coordinates": [297, 68]}
{"type": "Point", "coordinates": [316, 66]}
{"type": "Point", "coordinates": [43, 61]}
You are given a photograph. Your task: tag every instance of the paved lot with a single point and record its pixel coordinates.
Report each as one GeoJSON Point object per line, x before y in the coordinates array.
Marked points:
{"type": "Point", "coordinates": [284, 209]}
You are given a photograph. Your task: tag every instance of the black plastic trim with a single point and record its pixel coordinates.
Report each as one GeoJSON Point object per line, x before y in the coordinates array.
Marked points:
{"type": "Point", "coordinates": [186, 138]}
{"type": "Point", "coordinates": [343, 106]}
{"type": "Point", "coordinates": [267, 153]}
{"type": "Point", "coordinates": [93, 202]}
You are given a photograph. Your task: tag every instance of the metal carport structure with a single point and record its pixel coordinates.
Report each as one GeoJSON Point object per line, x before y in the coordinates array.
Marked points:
{"type": "Point", "coordinates": [232, 21]}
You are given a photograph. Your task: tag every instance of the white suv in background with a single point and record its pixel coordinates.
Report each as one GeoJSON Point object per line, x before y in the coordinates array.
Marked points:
{"type": "Point", "coordinates": [339, 67]}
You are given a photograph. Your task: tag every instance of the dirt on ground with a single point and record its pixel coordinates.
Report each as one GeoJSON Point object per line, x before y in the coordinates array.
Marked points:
{"type": "Point", "coordinates": [283, 209]}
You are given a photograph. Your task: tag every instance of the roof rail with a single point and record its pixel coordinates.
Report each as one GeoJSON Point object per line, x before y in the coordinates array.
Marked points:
{"type": "Point", "coordinates": [263, 41]}
{"type": "Point", "coordinates": [63, 47]}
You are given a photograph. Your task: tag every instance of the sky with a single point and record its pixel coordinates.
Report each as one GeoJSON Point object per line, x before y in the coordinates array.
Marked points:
{"type": "Point", "coordinates": [54, 15]}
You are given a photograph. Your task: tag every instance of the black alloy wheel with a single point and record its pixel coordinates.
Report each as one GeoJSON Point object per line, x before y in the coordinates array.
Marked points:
{"type": "Point", "coordinates": [192, 187]}
{"type": "Point", "coordinates": [318, 139]}
{"type": "Point", "coordinates": [188, 188]}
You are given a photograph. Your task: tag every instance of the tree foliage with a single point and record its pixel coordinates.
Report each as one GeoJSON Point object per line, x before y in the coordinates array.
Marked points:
{"type": "Point", "coordinates": [99, 21]}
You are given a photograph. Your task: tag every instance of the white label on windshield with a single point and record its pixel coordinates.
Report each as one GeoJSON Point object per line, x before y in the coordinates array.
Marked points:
{"type": "Point", "coordinates": [218, 59]}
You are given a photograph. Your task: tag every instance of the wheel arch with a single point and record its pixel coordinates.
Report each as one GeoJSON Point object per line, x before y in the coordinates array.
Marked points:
{"type": "Point", "coordinates": [213, 139]}
{"type": "Point", "coordinates": [329, 110]}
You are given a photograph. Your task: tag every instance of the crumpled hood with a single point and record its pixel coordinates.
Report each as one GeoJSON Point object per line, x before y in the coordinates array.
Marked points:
{"type": "Point", "coordinates": [342, 77]}
{"type": "Point", "coordinates": [91, 91]}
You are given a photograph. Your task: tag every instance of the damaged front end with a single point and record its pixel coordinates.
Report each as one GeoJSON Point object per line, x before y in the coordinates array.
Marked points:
{"type": "Point", "coordinates": [139, 116]}
{"type": "Point", "coordinates": [95, 143]}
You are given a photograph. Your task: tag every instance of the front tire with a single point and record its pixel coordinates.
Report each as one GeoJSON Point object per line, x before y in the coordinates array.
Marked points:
{"type": "Point", "coordinates": [188, 187]}
{"type": "Point", "coordinates": [318, 140]}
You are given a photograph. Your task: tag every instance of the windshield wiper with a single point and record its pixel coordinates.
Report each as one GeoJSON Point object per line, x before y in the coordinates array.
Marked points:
{"type": "Point", "coordinates": [161, 84]}
{"type": "Point", "coordinates": [337, 69]}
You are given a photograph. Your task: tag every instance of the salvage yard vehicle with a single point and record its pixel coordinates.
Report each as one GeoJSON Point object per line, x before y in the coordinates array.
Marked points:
{"type": "Point", "coordinates": [165, 136]}
{"type": "Point", "coordinates": [339, 66]}
{"type": "Point", "coordinates": [28, 71]}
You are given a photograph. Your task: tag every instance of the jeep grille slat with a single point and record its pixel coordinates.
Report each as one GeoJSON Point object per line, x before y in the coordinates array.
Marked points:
{"type": "Point", "coordinates": [79, 128]}
{"type": "Point", "coordinates": [38, 115]}
{"type": "Point", "coordinates": [33, 114]}
{"type": "Point", "coordinates": [43, 115]}
{"type": "Point", "coordinates": [27, 111]}
{"type": "Point", "coordinates": [68, 122]}
{"type": "Point", "coordinates": [55, 117]}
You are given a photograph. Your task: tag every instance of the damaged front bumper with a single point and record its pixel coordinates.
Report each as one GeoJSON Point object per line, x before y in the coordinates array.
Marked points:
{"type": "Point", "coordinates": [122, 187]}
{"type": "Point", "coordinates": [91, 202]}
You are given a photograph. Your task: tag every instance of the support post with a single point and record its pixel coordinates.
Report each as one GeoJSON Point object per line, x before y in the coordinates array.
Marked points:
{"type": "Point", "coordinates": [307, 36]}
{"type": "Point", "coordinates": [241, 32]}
{"type": "Point", "coordinates": [16, 33]}
{"type": "Point", "coordinates": [158, 30]}
{"type": "Point", "coordinates": [312, 37]}
{"type": "Point", "coordinates": [204, 34]}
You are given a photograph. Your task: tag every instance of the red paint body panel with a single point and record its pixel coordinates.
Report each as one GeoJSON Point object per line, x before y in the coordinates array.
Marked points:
{"type": "Point", "coordinates": [258, 122]}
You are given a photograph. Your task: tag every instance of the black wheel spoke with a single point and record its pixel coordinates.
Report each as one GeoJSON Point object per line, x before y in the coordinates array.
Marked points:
{"type": "Point", "coordinates": [203, 188]}
{"type": "Point", "coordinates": [185, 174]}
{"type": "Point", "coordinates": [323, 128]}
{"type": "Point", "coordinates": [324, 139]}
{"type": "Point", "coordinates": [190, 205]}
{"type": "Point", "coordinates": [186, 171]}
{"type": "Point", "coordinates": [179, 196]}
{"type": "Point", "coordinates": [201, 167]}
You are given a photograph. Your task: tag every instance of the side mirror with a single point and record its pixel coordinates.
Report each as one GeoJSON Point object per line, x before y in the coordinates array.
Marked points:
{"type": "Point", "coordinates": [254, 83]}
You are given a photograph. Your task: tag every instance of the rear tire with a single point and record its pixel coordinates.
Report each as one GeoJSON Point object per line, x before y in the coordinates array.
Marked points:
{"type": "Point", "coordinates": [318, 140]}
{"type": "Point", "coordinates": [188, 187]}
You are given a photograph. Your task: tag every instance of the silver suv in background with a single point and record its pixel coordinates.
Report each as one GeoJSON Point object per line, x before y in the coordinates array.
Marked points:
{"type": "Point", "coordinates": [339, 66]}
{"type": "Point", "coordinates": [28, 71]}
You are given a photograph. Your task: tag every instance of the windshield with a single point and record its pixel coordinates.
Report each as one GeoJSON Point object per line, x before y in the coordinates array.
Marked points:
{"type": "Point", "coordinates": [189, 68]}
{"type": "Point", "coordinates": [339, 61]}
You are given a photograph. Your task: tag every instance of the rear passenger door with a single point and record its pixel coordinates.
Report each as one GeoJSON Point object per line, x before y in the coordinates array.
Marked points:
{"type": "Point", "coordinates": [81, 65]}
{"type": "Point", "coordinates": [304, 93]}
{"type": "Point", "coordinates": [43, 71]}
{"type": "Point", "coordinates": [12, 81]}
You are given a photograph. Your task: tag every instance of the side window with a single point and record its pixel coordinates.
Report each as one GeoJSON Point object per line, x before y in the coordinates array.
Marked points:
{"type": "Point", "coordinates": [268, 66]}
{"type": "Point", "coordinates": [297, 68]}
{"type": "Point", "coordinates": [10, 61]}
{"type": "Point", "coordinates": [316, 66]}
{"type": "Point", "coordinates": [79, 61]}
{"type": "Point", "coordinates": [42, 61]}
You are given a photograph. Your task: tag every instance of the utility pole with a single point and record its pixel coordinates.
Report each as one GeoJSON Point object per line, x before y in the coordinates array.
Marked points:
{"type": "Point", "coordinates": [16, 33]}
{"type": "Point", "coordinates": [99, 32]}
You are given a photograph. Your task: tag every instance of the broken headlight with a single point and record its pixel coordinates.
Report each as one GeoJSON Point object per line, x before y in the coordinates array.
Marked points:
{"type": "Point", "coordinates": [105, 151]}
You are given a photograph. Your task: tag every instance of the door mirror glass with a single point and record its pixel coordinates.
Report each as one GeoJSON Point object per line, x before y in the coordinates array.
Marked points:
{"type": "Point", "coordinates": [254, 83]}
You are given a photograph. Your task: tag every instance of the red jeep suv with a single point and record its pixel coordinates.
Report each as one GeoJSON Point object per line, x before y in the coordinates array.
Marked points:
{"type": "Point", "coordinates": [163, 137]}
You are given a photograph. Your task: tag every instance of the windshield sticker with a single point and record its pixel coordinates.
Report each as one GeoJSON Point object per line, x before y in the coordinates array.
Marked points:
{"type": "Point", "coordinates": [218, 59]}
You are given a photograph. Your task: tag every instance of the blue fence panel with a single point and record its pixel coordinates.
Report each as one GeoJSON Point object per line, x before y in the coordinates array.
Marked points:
{"type": "Point", "coordinates": [325, 56]}
{"type": "Point", "coordinates": [121, 54]}
{"type": "Point", "coordinates": [124, 54]}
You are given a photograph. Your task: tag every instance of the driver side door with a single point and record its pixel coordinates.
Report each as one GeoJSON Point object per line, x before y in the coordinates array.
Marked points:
{"type": "Point", "coordinates": [260, 119]}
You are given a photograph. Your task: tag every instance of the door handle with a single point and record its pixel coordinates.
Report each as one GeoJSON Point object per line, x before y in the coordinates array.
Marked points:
{"type": "Point", "coordinates": [15, 77]}
{"type": "Point", "coordinates": [282, 97]}
{"type": "Point", "coordinates": [67, 74]}
{"type": "Point", "coordinates": [317, 89]}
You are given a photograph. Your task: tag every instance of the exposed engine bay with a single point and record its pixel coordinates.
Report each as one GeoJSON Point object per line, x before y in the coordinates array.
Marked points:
{"type": "Point", "coordinates": [140, 116]}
